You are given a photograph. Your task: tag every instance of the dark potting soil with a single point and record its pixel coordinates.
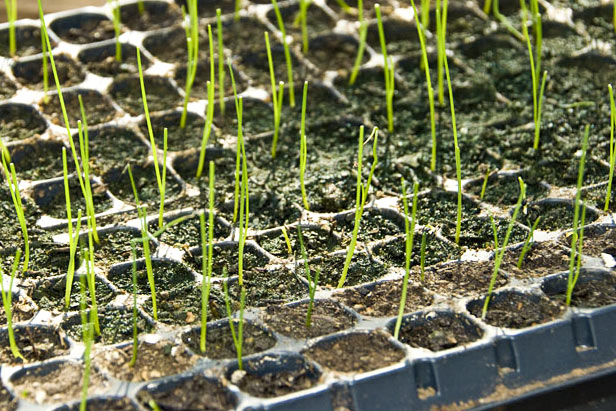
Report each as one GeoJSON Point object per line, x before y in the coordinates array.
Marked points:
{"type": "Point", "coordinates": [554, 215]}
{"type": "Point", "coordinates": [254, 63]}
{"type": "Point", "coordinates": [512, 309]}
{"type": "Point", "coordinates": [327, 317]}
{"type": "Point", "coordinates": [57, 382]}
{"type": "Point", "coordinates": [48, 260]}
{"type": "Point", "coordinates": [155, 15]}
{"type": "Point", "coordinates": [361, 269]}
{"type": "Point", "coordinates": [51, 199]}
{"type": "Point", "coordinates": [167, 276]}
{"type": "Point", "coordinates": [49, 294]}
{"type": "Point", "coordinates": [30, 73]}
{"type": "Point", "coordinates": [161, 94]}
{"type": "Point", "coordinates": [103, 404]}
{"type": "Point", "coordinates": [83, 28]}
{"type": "Point", "coordinates": [38, 160]}
{"type": "Point", "coordinates": [438, 207]}
{"type": "Point", "coordinates": [295, 375]}
{"type": "Point", "coordinates": [334, 52]}
{"type": "Point", "coordinates": [21, 310]}
{"type": "Point", "coordinates": [35, 343]}
{"type": "Point", "coordinates": [178, 138]}
{"type": "Point", "coordinates": [264, 287]}
{"type": "Point", "coordinates": [357, 352]}
{"type": "Point", "coordinates": [116, 326]}
{"type": "Point", "coordinates": [187, 234]}
{"type": "Point", "coordinates": [368, 7]}
{"type": "Point", "coordinates": [27, 41]}
{"type": "Point", "coordinates": [115, 247]}
{"type": "Point", "coordinates": [98, 108]}
{"type": "Point", "coordinates": [383, 299]}
{"type": "Point", "coordinates": [596, 241]}
{"type": "Point", "coordinates": [374, 225]}
{"type": "Point", "coordinates": [154, 360]}
{"type": "Point", "coordinates": [393, 252]}
{"type": "Point", "coordinates": [591, 290]}
{"type": "Point", "coordinates": [462, 278]}
{"type": "Point", "coordinates": [477, 232]}
{"type": "Point", "coordinates": [7, 401]}
{"type": "Point", "coordinates": [101, 60]}
{"type": "Point", "coordinates": [219, 342]}
{"type": "Point", "coordinates": [227, 257]}
{"type": "Point", "coordinates": [7, 87]}
{"type": "Point", "coordinates": [504, 190]}
{"type": "Point", "coordinates": [317, 241]}
{"type": "Point", "coordinates": [396, 32]}
{"type": "Point", "coordinates": [257, 118]}
{"type": "Point", "coordinates": [316, 20]}
{"type": "Point", "coordinates": [193, 393]}
{"type": "Point", "coordinates": [542, 258]}
{"type": "Point", "coordinates": [199, 88]}
{"type": "Point", "coordinates": [118, 182]}
{"type": "Point", "coordinates": [438, 331]}
{"type": "Point", "coordinates": [19, 122]}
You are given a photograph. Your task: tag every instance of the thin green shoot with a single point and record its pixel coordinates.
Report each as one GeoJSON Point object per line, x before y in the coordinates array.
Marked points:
{"type": "Point", "coordinates": [571, 279]}
{"type": "Point", "coordinates": [115, 11]}
{"type": "Point", "coordinates": [441, 49]}
{"type": "Point", "coordinates": [422, 257]}
{"type": "Point", "coordinates": [133, 358]}
{"type": "Point", "coordinates": [239, 145]}
{"type": "Point", "coordinates": [287, 240]}
{"type": "Point", "coordinates": [276, 95]}
{"type": "Point", "coordinates": [209, 117]}
{"type": "Point", "coordinates": [344, 6]}
{"type": "Point", "coordinates": [89, 260]}
{"type": "Point", "coordinates": [456, 151]}
{"type": "Point", "coordinates": [500, 252]}
{"type": "Point", "coordinates": [146, 246]}
{"type": "Point", "coordinates": [13, 184]}
{"type": "Point", "coordinates": [287, 53]}
{"type": "Point", "coordinates": [192, 46]}
{"type": "Point", "coordinates": [221, 63]}
{"type": "Point", "coordinates": [7, 303]}
{"type": "Point", "coordinates": [505, 21]}
{"type": "Point", "coordinates": [243, 213]}
{"type": "Point", "coordinates": [487, 5]}
{"type": "Point", "coordinates": [140, 6]}
{"type": "Point", "coordinates": [236, 13]}
{"type": "Point", "coordinates": [361, 195]}
{"type": "Point", "coordinates": [312, 283]}
{"type": "Point", "coordinates": [206, 267]}
{"type": "Point", "coordinates": [84, 151]}
{"type": "Point", "coordinates": [580, 242]}
{"type": "Point", "coordinates": [528, 243]}
{"type": "Point", "coordinates": [45, 68]}
{"type": "Point", "coordinates": [614, 17]}
{"type": "Point", "coordinates": [538, 89]}
{"type": "Point", "coordinates": [73, 239]}
{"type": "Point", "coordinates": [303, 149]}
{"type": "Point", "coordinates": [163, 185]}
{"type": "Point", "coordinates": [303, 11]}
{"type": "Point", "coordinates": [237, 336]}
{"type": "Point", "coordinates": [608, 195]}
{"type": "Point", "coordinates": [11, 17]}
{"type": "Point", "coordinates": [494, 232]}
{"type": "Point", "coordinates": [485, 184]}
{"type": "Point", "coordinates": [88, 339]}
{"type": "Point", "coordinates": [363, 32]}
{"type": "Point", "coordinates": [152, 404]}
{"type": "Point", "coordinates": [425, 13]}
{"type": "Point", "coordinates": [424, 59]}
{"type": "Point", "coordinates": [82, 184]}
{"type": "Point", "coordinates": [388, 68]}
{"type": "Point", "coordinates": [409, 230]}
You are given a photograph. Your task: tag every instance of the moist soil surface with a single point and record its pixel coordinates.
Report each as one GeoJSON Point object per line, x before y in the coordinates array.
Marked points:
{"type": "Point", "coordinates": [591, 290]}
{"type": "Point", "coordinates": [264, 288]}
{"type": "Point", "coordinates": [462, 278]}
{"type": "Point", "coordinates": [327, 317]}
{"type": "Point", "coordinates": [357, 352]}
{"type": "Point", "coordinates": [541, 258]}
{"type": "Point", "coordinates": [116, 325]}
{"type": "Point", "coordinates": [35, 344]}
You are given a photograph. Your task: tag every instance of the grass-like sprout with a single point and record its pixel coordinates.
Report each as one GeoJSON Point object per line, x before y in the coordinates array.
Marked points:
{"type": "Point", "coordinates": [192, 48]}
{"type": "Point", "coordinates": [422, 257]}
{"type": "Point", "coordinates": [456, 152]}
{"type": "Point", "coordinates": [239, 146]}
{"type": "Point", "coordinates": [160, 179]}
{"type": "Point", "coordinates": [608, 195]}
{"type": "Point", "coordinates": [361, 195]}
{"type": "Point", "coordinates": [221, 63]}
{"type": "Point", "coordinates": [11, 17]}
{"type": "Point", "coordinates": [133, 358]}
{"type": "Point", "coordinates": [236, 12]}
{"type": "Point", "coordinates": [115, 11]}
{"type": "Point", "coordinates": [140, 7]}
{"type": "Point", "coordinates": [87, 329]}
{"type": "Point", "coordinates": [84, 152]}
{"type": "Point", "coordinates": [575, 235]}
{"type": "Point", "coordinates": [528, 243]}
{"type": "Point", "coordinates": [441, 49]}
{"type": "Point", "coordinates": [237, 335]}
{"type": "Point", "coordinates": [90, 276]}
{"type": "Point", "coordinates": [484, 185]}
{"type": "Point", "coordinates": [303, 10]}
{"type": "Point", "coordinates": [493, 4]}
{"type": "Point", "coordinates": [303, 149]}
{"type": "Point", "coordinates": [287, 240]}
{"type": "Point", "coordinates": [287, 53]}
{"type": "Point", "coordinates": [500, 252]}
{"type": "Point", "coordinates": [388, 68]}
{"type": "Point", "coordinates": [363, 32]}
{"type": "Point", "coordinates": [73, 239]}
{"type": "Point", "coordinates": [276, 95]}
{"type": "Point", "coordinates": [83, 183]}
{"type": "Point", "coordinates": [209, 116]}
{"type": "Point", "coordinates": [7, 303]}
{"type": "Point", "coordinates": [409, 230]}
{"type": "Point", "coordinates": [45, 67]}
{"type": "Point", "coordinates": [146, 245]}
{"type": "Point", "coordinates": [424, 59]}
{"type": "Point", "coordinates": [312, 283]}
{"type": "Point", "coordinates": [243, 213]}
{"type": "Point", "coordinates": [206, 264]}
{"type": "Point", "coordinates": [535, 65]}
{"type": "Point", "coordinates": [11, 178]}
{"type": "Point", "coordinates": [425, 13]}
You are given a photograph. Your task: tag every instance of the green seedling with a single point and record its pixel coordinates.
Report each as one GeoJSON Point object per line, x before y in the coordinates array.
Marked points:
{"type": "Point", "coordinates": [287, 53]}
{"type": "Point", "coordinates": [441, 49]}
{"type": "Point", "coordinates": [7, 303]}
{"type": "Point", "coordinates": [238, 338]}
{"type": "Point", "coordinates": [209, 118]}
{"type": "Point", "coordinates": [236, 13]}
{"type": "Point", "coordinates": [361, 195]}
{"type": "Point", "coordinates": [485, 184]}
{"type": "Point", "coordinates": [11, 17]}
{"type": "Point", "coordinates": [608, 195]}
{"type": "Point", "coordinates": [422, 257]}
{"type": "Point", "coordinates": [528, 243]}
{"type": "Point", "coordinates": [424, 59]}
{"type": "Point", "coordinates": [240, 145]}
{"type": "Point", "coordinates": [276, 95]}
{"type": "Point", "coordinates": [152, 404]}
{"type": "Point", "coordinates": [192, 48]}
{"type": "Point", "coordinates": [388, 68]}
{"type": "Point", "coordinates": [303, 11]}
{"type": "Point", "coordinates": [117, 29]}
{"type": "Point", "coordinates": [72, 238]}
{"type": "Point", "coordinates": [409, 230]}
{"type": "Point", "coordinates": [535, 66]}
{"type": "Point", "coordinates": [575, 236]}
{"type": "Point", "coordinates": [84, 151]}
{"type": "Point", "coordinates": [88, 338]}
{"type": "Point", "coordinates": [363, 32]}
{"type": "Point", "coordinates": [425, 13]}
{"type": "Point", "coordinates": [287, 240]}
{"type": "Point", "coordinates": [140, 6]}
{"type": "Point", "coordinates": [221, 63]}
{"type": "Point", "coordinates": [456, 151]}
{"type": "Point", "coordinates": [243, 213]}
{"type": "Point", "coordinates": [89, 260]}
{"type": "Point", "coordinates": [133, 358]}
{"type": "Point", "coordinates": [312, 283]}
{"type": "Point", "coordinates": [493, 4]}
{"type": "Point", "coordinates": [45, 68]}
{"type": "Point", "coordinates": [500, 252]}
{"type": "Point", "coordinates": [83, 183]}
{"type": "Point", "coordinates": [303, 149]}
{"type": "Point", "coordinates": [206, 268]}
